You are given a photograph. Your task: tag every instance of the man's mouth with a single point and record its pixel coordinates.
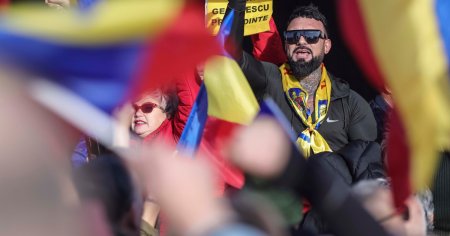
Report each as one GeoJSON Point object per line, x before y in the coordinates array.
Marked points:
{"type": "Point", "coordinates": [302, 51]}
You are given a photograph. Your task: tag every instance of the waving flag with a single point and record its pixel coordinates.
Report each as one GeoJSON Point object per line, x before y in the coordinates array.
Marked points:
{"type": "Point", "coordinates": [404, 45]}
{"type": "Point", "coordinates": [231, 104]}
{"type": "Point", "coordinates": [225, 102]}
{"type": "Point", "coordinates": [193, 131]}
{"type": "Point", "coordinates": [99, 61]}
{"type": "Point", "coordinates": [90, 57]}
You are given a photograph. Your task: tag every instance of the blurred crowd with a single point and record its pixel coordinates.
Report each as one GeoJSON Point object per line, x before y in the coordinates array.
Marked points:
{"type": "Point", "coordinates": [318, 169]}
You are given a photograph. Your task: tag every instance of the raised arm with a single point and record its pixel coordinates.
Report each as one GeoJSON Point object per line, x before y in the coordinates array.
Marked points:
{"type": "Point", "coordinates": [187, 89]}
{"type": "Point", "coordinates": [253, 69]}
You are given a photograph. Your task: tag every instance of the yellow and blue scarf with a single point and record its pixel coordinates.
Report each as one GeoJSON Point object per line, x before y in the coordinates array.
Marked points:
{"type": "Point", "coordinates": [310, 138]}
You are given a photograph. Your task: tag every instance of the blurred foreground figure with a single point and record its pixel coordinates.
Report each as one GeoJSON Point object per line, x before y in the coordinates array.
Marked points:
{"type": "Point", "coordinates": [36, 194]}
{"type": "Point", "coordinates": [311, 178]}
{"type": "Point", "coordinates": [107, 182]}
{"type": "Point", "coordinates": [194, 209]}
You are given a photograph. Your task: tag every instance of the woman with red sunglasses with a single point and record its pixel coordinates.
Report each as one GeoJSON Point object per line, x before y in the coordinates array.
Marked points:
{"type": "Point", "coordinates": [152, 113]}
{"type": "Point", "coordinates": [162, 114]}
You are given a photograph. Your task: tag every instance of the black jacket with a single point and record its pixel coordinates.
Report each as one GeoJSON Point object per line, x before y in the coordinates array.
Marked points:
{"type": "Point", "coordinates": [349, 116]}
{"type": "Point", "coordinates": [357, 161]}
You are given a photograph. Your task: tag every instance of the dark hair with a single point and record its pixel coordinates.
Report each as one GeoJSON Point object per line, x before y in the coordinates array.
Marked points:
{"type": "Point", "coordinates": [106, 180]}
{"type": "Point", "coordinates": [171, 97]}
{"type": "Point", "coordinates": [310, 11]}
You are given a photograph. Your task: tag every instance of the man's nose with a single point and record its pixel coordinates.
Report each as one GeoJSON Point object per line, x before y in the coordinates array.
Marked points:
{"type": "Point", "coordinates": [302, 41]}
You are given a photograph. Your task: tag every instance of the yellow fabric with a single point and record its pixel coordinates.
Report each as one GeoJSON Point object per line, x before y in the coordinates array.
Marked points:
{"type": "Point", "coordinates": [107, 22]}
{"type": "Point", "coordinates": [310, 138]}
{"type": "Point", "coordinates": [230, 97]}
{"type": "Point", "coordinates": [408, 47]}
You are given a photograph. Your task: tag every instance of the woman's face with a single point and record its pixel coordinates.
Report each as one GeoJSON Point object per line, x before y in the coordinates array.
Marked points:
{"type": "Point", "coordinates": [148, 115]}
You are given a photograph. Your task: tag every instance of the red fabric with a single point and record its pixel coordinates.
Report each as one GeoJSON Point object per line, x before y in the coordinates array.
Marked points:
{"type": "Point", "coordinates": [356, 37]}
{"type": "Point", "coordinates": [215, 139]}
{"type": "Point", "coordinates": [176, 51]}
{"type": "Point", "coordinates": [216, 135]}
{"type": "Point", "coordinates": [163, 133]}
{"type": "Point", "coordinates": [4, 3]}
{"type": "Point", "coordinates": [187, 88]}
{"type": "Point", "coordinates": [398, 160]}
{"type": "Point", "coordinates": [268, 46]}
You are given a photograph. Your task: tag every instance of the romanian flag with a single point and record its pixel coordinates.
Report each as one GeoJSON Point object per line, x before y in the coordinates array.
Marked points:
{"type": "Point", "coordinates": [193, 131]}
{"type": "Point", "coordinates": [94, 57]}
{"type": "Point", "coordinates": [225, 102]}
{"type": "Point", "coordinates": [231, 104]}
{"type": "Point", "coordinates": [100, 58]}
{"type": "Point", "coordinates": [404, 45]}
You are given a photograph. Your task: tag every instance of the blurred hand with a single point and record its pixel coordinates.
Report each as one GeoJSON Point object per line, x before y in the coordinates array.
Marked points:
{"type": "Point", "coordinates": [261, 149]}
{"type": "Point", "coordinates": [58, 4]}
{"type": "Point", "coordinates": [184, 188]}
{"type": "Point", "coordinates": [123, 117]}
{"type": "Point", "coordinates": [416, 224]}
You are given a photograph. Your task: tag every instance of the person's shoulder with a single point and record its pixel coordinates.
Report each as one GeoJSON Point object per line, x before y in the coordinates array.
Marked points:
{"type": "Point", "coordinates": [273, 74]}
{"type": "Point", "coordinates": [356, 99]}
{"type": "Point", "coordinates": [270, 68]}
{"type": "Point", "coordinates": [339, 87]}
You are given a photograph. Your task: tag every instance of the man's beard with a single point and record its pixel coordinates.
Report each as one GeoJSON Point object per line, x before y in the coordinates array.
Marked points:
{"type": "Point", "coordinates": [302, 68]}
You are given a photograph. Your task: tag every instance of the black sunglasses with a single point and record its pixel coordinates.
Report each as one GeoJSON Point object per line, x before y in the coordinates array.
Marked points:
{"type": "Point", "coordinates": [310, 36]}
{"type": "Point", "coordinates": [146, 107]}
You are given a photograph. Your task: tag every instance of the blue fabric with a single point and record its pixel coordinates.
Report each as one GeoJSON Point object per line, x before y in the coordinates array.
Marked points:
{"type": "Point", "coordinates": [87, 4]}
{"type": "Point", "coordinates": [193, 131]}
{"type": "Point", "coordinates": [443, 17]}
{"type": "Point", "coordinates": [100, 74]}
{"type": "Point", "coordinates": [225, 30]}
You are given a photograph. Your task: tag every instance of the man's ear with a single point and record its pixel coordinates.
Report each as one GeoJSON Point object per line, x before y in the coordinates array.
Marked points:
{"type": "Point", "coordinates": [327, 45]}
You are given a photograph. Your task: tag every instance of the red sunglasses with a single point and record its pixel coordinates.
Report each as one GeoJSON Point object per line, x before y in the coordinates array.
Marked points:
{"type": "Point", "coordinates": [146, 107]}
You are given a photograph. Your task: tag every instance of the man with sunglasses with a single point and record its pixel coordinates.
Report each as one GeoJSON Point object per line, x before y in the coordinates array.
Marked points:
{"type": "Point", "coordinates": [322, 109]}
